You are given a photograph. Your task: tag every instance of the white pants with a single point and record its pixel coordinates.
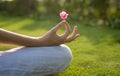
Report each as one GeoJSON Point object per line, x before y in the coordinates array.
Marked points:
{"type": "Point", "coordinates": [35, 61]}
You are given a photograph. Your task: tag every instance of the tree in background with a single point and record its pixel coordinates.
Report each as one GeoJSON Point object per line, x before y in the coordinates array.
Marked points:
{"type": "Point", "coordinates": [52, 6]}
{"type": "Point", "coordinates": [19, 7]}
{"type": "Point", "coordinates": [106, 12]}
{"type": "Point", "coordinates": [25, 6]}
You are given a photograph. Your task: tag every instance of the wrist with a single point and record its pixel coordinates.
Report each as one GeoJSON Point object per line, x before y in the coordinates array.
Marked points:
{"type": "Point", "coordinates": [37, 41]}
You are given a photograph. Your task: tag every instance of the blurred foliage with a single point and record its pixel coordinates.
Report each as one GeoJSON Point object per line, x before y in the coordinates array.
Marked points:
{"type": "Point", "coordinates": [101, 12]}
{"type": "Point", "coordinates": [18, 7]}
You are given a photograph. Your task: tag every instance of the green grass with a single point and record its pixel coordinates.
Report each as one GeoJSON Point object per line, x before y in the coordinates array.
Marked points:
{"type": "Point", "coordinates": [95, 53]}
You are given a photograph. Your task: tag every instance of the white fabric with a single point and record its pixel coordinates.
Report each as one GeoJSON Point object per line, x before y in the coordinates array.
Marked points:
{"type": "Point", "coordinates": [35, 61]}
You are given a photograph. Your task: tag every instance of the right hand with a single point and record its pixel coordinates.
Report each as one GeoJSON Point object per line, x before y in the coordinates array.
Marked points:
{"type": "Point", "coordinates": [51, 38]}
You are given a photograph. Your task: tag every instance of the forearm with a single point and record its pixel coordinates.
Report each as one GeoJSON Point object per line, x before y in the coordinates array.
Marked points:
{"type": "Point", "coordinates": [51, 38]}
{"type": "Point", "coordinates": [8, 37]}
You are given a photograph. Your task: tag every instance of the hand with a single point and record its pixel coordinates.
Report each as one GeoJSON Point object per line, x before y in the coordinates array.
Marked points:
{"type": "Point", "coordinates": [51, 37]}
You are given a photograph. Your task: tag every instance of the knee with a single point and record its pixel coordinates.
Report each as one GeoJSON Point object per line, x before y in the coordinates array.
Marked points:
{"type": "Point", "coordinates": [65, 58]}
{"type": "Point", "coordinates": [49, 60]}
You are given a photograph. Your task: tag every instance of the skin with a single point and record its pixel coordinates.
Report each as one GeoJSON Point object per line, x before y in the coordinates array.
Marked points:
{"type": "Point", "coordinates": [48, 39]}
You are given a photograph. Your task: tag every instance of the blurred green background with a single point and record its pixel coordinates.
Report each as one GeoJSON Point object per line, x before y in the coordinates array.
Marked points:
{"type": "Point", "coordinates": [95, 12]}
{"type": "Point", "coordinates": [95, 53]}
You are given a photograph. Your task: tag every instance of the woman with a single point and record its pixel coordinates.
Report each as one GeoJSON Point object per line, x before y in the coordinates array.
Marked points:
{"type": "Point", "coordinates": [36, 61]}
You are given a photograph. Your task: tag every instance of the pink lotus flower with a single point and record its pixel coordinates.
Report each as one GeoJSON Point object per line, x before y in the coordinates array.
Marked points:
{"type": "Point", "coordinates": [63, 15]}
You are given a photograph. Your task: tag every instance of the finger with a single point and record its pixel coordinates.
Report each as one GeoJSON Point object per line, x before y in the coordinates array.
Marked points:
{"type": "Point", "coordinates": [59, 25]}
{"type": "Point", "coordinates": [74, 31]}
{"type": "Point", "coordinates": [69, 39]}
{"type": "Point", "coordinates": [67, 25]}
{"type": "Point", "coordinates": [67, 30]}
{"type": "Point", "coordinates": [74, 35]}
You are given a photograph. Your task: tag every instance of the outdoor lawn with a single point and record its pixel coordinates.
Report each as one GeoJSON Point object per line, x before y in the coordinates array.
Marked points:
{"type": "Point", "coordinates": [95, 53]}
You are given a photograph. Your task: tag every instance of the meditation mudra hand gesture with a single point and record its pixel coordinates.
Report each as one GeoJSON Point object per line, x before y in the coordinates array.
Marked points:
{"type": "Point", "coordinates": [51, 38]}
{"type": "Point", "coordinates": [42, 61]}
